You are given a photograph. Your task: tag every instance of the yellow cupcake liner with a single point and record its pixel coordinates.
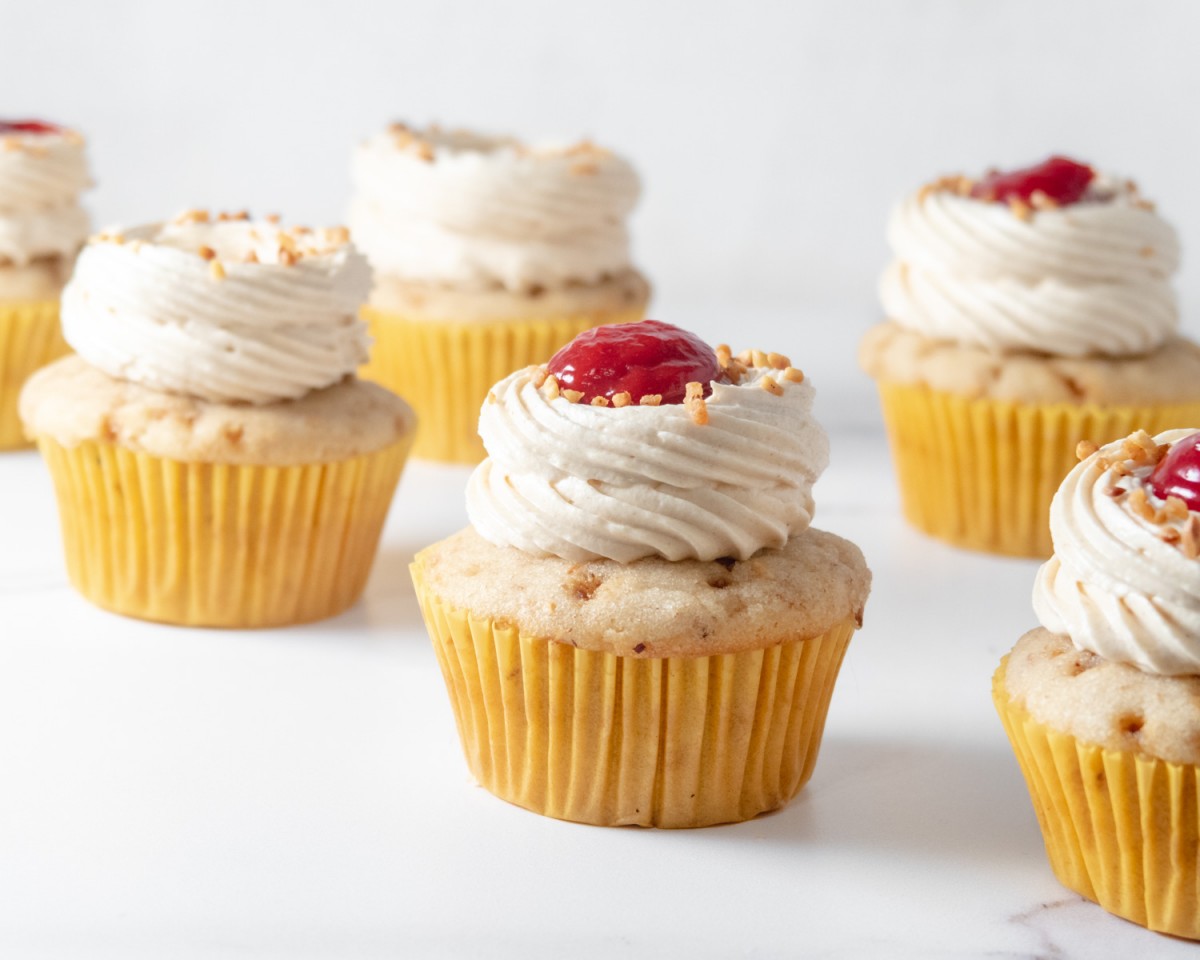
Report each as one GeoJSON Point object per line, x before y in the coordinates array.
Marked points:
{"type": "Point", "coordinates": [445, 369]}
{"type": "Point", "coordinates": [981, 473]}
{"type": "Point", "coordinates": [30, 338]}
{"type": "Point", "coordinates": [218, 545]}
{"type": "Point", "coordinates": [1120, 828]}
{"type": "Point", "coordinates": [610, 740]}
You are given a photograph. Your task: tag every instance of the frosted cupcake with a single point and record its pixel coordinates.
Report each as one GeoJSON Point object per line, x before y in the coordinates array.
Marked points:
{"type": "Point", "coordinates": [489, 255]}
{"type": "Point", "coordinates": [640, 626]}
{"type": "Point", "coordinates": [216, 461]}
{"type": "Point", "coordinates": [1102, 702]}
{"type": "Point", "coordinates": [43, 171]}
{"type": "Point", "coordinates": [1026, 311]}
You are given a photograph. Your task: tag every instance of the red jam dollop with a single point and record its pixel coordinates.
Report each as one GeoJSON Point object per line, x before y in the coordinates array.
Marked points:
{"type": "Point", "coordinates": [28, 126]}
{"type": "Point", "coordinates": [1060, 179]}
{"type": "Point", "coordinates": [1178, 473]}
{"type": "Point", "coordinates": [647, 357]}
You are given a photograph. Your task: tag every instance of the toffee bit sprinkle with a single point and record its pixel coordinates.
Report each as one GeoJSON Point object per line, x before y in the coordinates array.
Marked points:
{"type": "Point", "coordinates": [651, 400]}
{"type": "Point", "coordinates": [794, 375]}
{"type": "Point", "coordinates": [622, 399]}
{"type": "Point", "coordinates": [1085, 448]}
{"type": "Point", "coordinates": [694, 401]}
{"type": "Point", "coordinates": [207, 253]}
{"type": "Point", "coordinates": [573, 396]}
{"type": "Point", "coordinates": [1140, 505]}
{"type": "Point", "coordinates": [1175, 509]}
{"type": "Point", "coordinates": [768, 383]}
{"type": "Point", "coordinates": [599, 401]}
{"type": "Point", "coordinates": [216, 270]}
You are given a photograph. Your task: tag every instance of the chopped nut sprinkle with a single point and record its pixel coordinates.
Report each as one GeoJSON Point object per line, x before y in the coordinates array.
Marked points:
{"type": "Point", "coordinates": [537, 377]}
{"type": "Point", "coordinates": [207, 253]}
{"type": "Point", "coordinates": [573, 396]}
{"type": "Point", "coordinates": [584, 168]}
{"type": "Point", "coordinates": [724, 355]}
{"type": "Point", "coordinates": [768, 383]}
{"type": "Point", "coordinates": [622, 399]}
{"type": "Point", "coordinates": [1140, 505]}
{"type": "Point", "coordinates": [550, 385]}
{"type": "Point", "coordinates": [250, 257]}
{"type": "Point", "coordinates": [1039, 200]}
{"type": "Point", "coordinates": [599, 401]}
{"type": "Point", "coordinates": [216, 270]}
{"type": "Point", "coordinates": [287, 257]}
{"type": "Point", "coordinates": [1020, 209]}
{"type": "Point", "coordinates": [491, 397]}
{"type": "Point", "coordinates": [694, 401]}
{"type": "Point", "coordinates": [1085, 448]}
{"type": "Point", "coordinates": [794, 375]}
{"type": "Point", "coordinates": [651, 400]}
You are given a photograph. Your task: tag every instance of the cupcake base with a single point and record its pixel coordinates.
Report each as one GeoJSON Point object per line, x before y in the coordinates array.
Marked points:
{"type": "Point", "coordinates": [29, 339]}
{"type": "Point", "coordinates": [220, 545]}
{"type": "Point", "coordinates": [600, 738]}
{"type": "Point", "coordinates": [980, 473]}
{"type": "Point", "coordinates": [1121, 828]}
{"type": "Point", "coordinates": [445, 368]}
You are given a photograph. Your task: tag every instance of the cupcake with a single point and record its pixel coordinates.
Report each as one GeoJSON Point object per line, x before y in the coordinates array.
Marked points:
{"type": "Point", "coordinates": [42, 226]}
{"type": "Point", "coordinates": [640, 626]}
{"type": "Point", "coordinates": [489, 255]}
{"type": "Point", "coordinates": [1102, 702]}
{"type": "Point", "coordinates": [1026, 311]}
{"type": "Point", "coordinates": [216, 461]}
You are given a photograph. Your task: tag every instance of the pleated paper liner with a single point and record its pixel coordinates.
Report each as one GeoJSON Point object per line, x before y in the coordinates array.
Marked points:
{"type": "Point", "coordinates": [445, 369]}
{"type": "Point", "coordinates": [29, 339]}
{"type": "Point", "coordinates": [609, 740]}
{"type": "Point", "coordinates": [219, 545]}
{"type": "Point", "coordinates": [981, 473]}
{"type": "Point", "coordinates": [1120, 828]}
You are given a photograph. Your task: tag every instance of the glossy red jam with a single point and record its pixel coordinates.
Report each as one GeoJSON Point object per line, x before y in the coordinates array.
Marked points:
{"type": "Point", "coordinates": [27, 126]}
{"type": "Point", "coordinates": [647, 357]}
{"type": "Point", "coordinates": [1178, 473]}
{"type": "Point", "coordinates": [1059, 179]}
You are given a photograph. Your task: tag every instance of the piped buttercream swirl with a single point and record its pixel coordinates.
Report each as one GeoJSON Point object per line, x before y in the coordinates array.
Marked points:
{"type": "Point", "coordinates": [583, 482]}
{"type": "Point", "coordinates": [225, 311]}
{"type": "Point", "coordinates": [1092, 277]}
{"type": "Point", "coordinates": [1115, 586]}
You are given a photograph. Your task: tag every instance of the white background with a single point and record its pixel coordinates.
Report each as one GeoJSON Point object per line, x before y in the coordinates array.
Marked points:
{"type": "Point", "coordinates": [169, 793]}
{"type": "Point", "coordinates": [772, 136]}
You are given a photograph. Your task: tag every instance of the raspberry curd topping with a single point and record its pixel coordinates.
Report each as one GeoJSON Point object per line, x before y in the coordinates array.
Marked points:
{"type": "Point", "coordinates": [1060, 180]}
{"type": "Point", "coordinates": [641, 359]}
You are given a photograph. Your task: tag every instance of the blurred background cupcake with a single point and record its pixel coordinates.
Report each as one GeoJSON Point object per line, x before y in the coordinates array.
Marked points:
{"type": "Point", "coordinates": [489, 254]}
{"type": "Point", "coordinates": [1026, 311]}
{"type": "Point", "coordinates": [1102, 702]}
{"type": "Point", "coordinates": [43, 170]}
{"type": "Point", "coordinates": [216, 461]}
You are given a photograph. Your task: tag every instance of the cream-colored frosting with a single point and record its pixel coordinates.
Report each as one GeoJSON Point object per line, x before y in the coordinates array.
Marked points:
{"type": "Point", "coordinates": [475, 212]}
{"type": "Point", "coordinates": [582, 482]}
{"type": "Point", "coordinates": [1114, 586]}
{"type": "Point", "coordinates": [1089, 278]}
{"type": "Point", "coordinates": [218, 310]}
{"type": "Point", "coordinates": [41, 178]}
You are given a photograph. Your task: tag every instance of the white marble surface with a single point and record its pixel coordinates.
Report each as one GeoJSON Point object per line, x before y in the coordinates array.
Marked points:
{"type": "Point", "coordinates": [300, 793]}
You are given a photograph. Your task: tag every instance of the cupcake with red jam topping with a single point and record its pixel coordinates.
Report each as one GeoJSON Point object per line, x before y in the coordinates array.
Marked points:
{"type": "Point", "coordinates": [640, 626]}
{"type": "Point", "coordinates": [489, 255]}
{"type": "Point", "coordinates": [216, 461]}
{"type": "Point", "coordinates": [43, 170]}
{"type": "Point", "coordinates": [1026, 311]}
{"type": "Point", "coordinates": [1102, 702]}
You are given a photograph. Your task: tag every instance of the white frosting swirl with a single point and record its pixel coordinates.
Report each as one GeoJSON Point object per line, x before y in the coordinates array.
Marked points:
{"type": "Point", "coordinates": [581, 482]}
{"type": "Point", "coordinates": [41, 177]}
{"type": "Point", "coordinates": [1114, 586]}
{"type": "Point", "coordinates": [1089, 278]}
{"type": "Point", "coordinates": [239, 326]}
{"type": "Point", "coordinates": [473, 212]}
